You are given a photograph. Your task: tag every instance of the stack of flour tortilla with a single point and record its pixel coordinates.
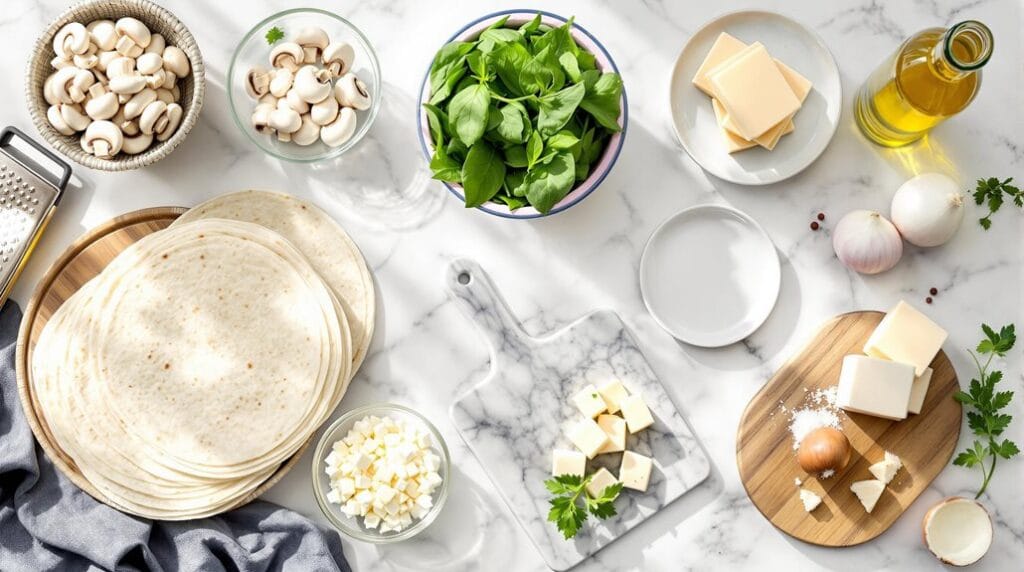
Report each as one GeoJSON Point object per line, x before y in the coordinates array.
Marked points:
{"type": "Point", "coordinates": [205, 355]}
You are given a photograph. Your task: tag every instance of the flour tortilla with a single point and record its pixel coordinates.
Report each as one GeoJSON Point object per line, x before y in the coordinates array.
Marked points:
{"type": "Point", "coordinates": [315, 234]}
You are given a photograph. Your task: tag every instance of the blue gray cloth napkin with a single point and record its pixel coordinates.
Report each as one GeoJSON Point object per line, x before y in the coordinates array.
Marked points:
{"type": "Point", "coordinates": [47, 523]}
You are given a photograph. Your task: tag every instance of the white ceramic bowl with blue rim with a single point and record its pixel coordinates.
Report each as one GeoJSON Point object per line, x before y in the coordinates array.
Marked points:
{"type": "Point", "coordinates": [604, 63]}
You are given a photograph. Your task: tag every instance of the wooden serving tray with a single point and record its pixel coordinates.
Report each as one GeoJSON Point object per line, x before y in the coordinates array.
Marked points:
{"type": "Point", "coordinates": [81, 262]}
{"type": "Point", "coordinates": [767, 462]}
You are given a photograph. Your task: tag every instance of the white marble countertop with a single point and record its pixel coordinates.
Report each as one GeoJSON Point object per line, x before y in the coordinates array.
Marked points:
{"type": "Point", "coordinates": [554, 270]}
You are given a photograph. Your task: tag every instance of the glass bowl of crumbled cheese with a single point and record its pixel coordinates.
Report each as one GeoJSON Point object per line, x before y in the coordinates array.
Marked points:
{"type": "Point", "coordinates": [380, 473]}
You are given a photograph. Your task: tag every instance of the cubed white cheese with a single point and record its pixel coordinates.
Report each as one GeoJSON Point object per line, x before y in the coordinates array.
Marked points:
{"type": "Point", "coordinates": [371, 520]}
{"type": "Point", "coordinates": [566, 462]}
{"type": "Point", "coordinates": [635, 471]}
{"type": "Point", "coordinates": [613, 393]}
{"type": "Point", "coordinates": [875, 387]}
{"type": "Point", "coordinates": [589, 402]}
{"type": "Point", "coordinates": [615, 428]}
{"type": "Point", "coordinates": [334, 496]}
{"type": "Point", "coordinates": [887, 468]}
{"type": "Point", "coordinates": [908, 336]}
{"type": "Point", "coordinates": [601, 480]}
{"type": "Point", "coordinates": [638, 417]}
{"type": "Point", "coordinates": [868, 492]}
{"type": "Point", "coordinates": [588, 437]}
{"type": "Point", "coordinates": [810, 500]}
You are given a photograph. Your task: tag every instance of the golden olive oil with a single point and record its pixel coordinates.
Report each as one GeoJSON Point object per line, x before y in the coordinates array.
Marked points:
{"type": "Point", "coordinates": [934, 75]}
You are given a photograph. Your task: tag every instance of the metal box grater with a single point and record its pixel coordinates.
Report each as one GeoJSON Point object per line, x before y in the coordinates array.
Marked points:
{"type": "Point", "coordinates": [28, 197]}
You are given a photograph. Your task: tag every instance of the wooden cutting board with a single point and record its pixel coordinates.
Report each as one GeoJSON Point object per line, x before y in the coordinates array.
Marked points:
{"type": "Point", "coordinates": [767, 461]}
{"type": "Point", "coordinates": [516, 417]}
{"type": "Point", "coordinates": [81, 262]}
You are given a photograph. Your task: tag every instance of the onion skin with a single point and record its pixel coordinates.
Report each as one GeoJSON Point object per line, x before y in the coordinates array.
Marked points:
{"type": "Point", "coordinates": [927, 210]}
{"type": "Point", "coordinates": [866, 242]}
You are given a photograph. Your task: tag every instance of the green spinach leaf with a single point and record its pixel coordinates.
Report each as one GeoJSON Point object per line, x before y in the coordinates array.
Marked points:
{"type": "Point", "coordinates": [546, 184]}
{"type": "Point", "coordinates": [557, 108]}
{"type": "Point", "coordinates": [468, 113]}
{"type": "Point", "coordinates": [603, 98]}
{"type": "Point", "coordinates": [482, 174]}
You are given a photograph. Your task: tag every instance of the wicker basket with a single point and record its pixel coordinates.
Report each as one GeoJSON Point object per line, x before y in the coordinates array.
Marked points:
{"type": "Point", "coordinates": [158, 19]}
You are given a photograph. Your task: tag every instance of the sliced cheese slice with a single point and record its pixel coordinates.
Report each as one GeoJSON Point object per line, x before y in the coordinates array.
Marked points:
{"type": "Point", "coordinates": [868, 492]}
{"type": "Point", "coordinates": [724, 48]}
{"type": "Point", "coordinates": [733, 142]}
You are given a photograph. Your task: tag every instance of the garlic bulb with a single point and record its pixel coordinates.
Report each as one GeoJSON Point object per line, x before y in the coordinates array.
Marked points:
{"type": "Point", "coordinates": [928, 209]}
{"type": "Point", "coordinates": [867, 242]}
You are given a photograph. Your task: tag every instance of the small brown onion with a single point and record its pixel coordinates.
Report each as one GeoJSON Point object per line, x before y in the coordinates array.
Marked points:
{"type": "Point", "coordinates": [824, 449]}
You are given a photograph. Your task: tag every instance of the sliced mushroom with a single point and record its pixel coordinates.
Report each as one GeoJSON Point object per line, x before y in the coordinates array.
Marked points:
{"type": "Point", "coordinates": [287, 55]}
{"type": "Point", "coordinates": [103, 34]}
{"type": "Point", "coordinates": [284, 120]}
{"type": "Point", "coordinates": [157, 43]}
{"type": "Point", "coordinates": [175, 61]}
{"type": "Point", "coordinates": [168, 124]}
{"type": "Point", "coordinates": [313, 40]}
{"type": "Point", "coordinates": [127, 84]}
{"type": "Point", "coordinates": [120, 66]}
{"type": "Point", "coordinates": [257, 82]}
{"type": "Point", "coordinates": [281, 82]}
{"type": "Point", "coordinates": [103, 104]}
{"type": "Point", "coordinates": [341, 129]}
{"type": "Point", "coordinates": [338, 58]}
{"type": "Point", "coordinates": [148, 63]}
{"type": "Point", "coordinates": [104, 59]}
{"type": "Point", "coordinates": [313, 85]}
{"type": "Point", "coordinates": [261, 118]}
{"type": "Point", "coordinates": [294, 101]}
{"type": "Point", "coordinates": [55, 118]}
{"type": "Point", "coordinates": [102, 139]}
{"type": "Point", "coordinates": [351, 92]}
{"type": "Point", "coordinates": [137, 144]}
{"type": "Point", "coordinates": [151, 115]}
{"type": "Point", "coordinates": [324, 112]}
{"type": "Point", "coordinates": [134, 37]}
{"type": "Point", "coordinates": [74, 116]}
{"type": "Point", "coordinates": [71, 39]}
{"type": "Point", "coordinates": [133, 108]}
{"type": "Point", "coordinates": [308, 132]}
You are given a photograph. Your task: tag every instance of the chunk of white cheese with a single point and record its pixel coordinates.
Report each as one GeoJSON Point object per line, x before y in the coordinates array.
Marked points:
{"type": "Point", "coordinates": [887, 468]}
{"type": "Point", "coordinates": [566, 462]}
{"type": "Point", "coordinates": [589, 402]}
{"type": "Point", "coordinates": [919, 390]}
{"type": "Point", "coordinates": [613, 393]}
{"type": "Point", "coordinates": [601, 480]}
{"type": "Point", "coordinates": [875, 387]}
{"type": "Point", "coordinates": [868, 492]}
{"type": "Point", "coordinates": [615, 428]}
{"type": "Point", "coordinates": [635, 471]}
{"type": "Point", "coordinates": [637, 415]}
{"type": "Point", "coordinates": [810, 500]}
{"type": "Point", "coordinates": [588, 437]}
{"type": "Point", "coordinates": [906, 335]}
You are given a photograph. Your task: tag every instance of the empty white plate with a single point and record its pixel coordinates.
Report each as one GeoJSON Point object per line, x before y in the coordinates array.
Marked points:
{"type": "Point", "coordinates": [710, 275]}
{"type": "Point", "coordinates": [816, 122]}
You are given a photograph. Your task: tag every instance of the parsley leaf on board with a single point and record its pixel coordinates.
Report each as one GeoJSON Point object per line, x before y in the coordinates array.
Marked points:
{"type": "Point", "coordinates": [985, 420]}
{"type": "Point", "coordinates": [992, 193]}
{"type": "Point", "coordinates": [566, 511]}
{"type": "Point", "coordinates": [274, 35]}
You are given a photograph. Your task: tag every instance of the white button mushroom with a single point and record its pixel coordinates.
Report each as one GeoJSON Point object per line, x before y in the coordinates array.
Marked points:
{"type": "Point", "coordinates": [148, 63]}
{"type": "Point", "coordinates": [338, 58]}
{"type": "Point", "coordinates": [157, 79]}
{"type": "Point", "coordinates": [133, 37]}
{"type": "Point", "coordinates": [175, 61]}
{"type": "Point", "coordinates": [51, 95]}
{"type": "Point", "coordinates": [268, 98]}
{"type": "Point", "coordinates": [164, 95]}
{"type": "Point", "coordinates": [102, 103]}
{"type": "Point", "coordinates": [88, 60]}
{"type": "Point", "coordinates": [351, 92]}
{"type": "Point", "coordinates": [59, 62]}
{"type": "Point", "coordinates": [120, 66]}
{"type": "Point", "coordinates": [74, 116]}
{"type": "Point", "coordinates": [341, 129]}
{"type": "Point", "coordinates": [104, 59]}
{"type": "Point", "coordinates": [102, 33]}
{"type": "Point", "coordinates": [134, 106]}
{"type": "Point", "coordinates": [71, 39]}
{"type": "Point", "coordinates": [137, 144]}
{"type": "Point", "coordinates": [261, 118]}
{"type": "Point", "coordinates": [102, 139]}
{"type": "Point", "coordinates": [257, 82]}
{"type": "Point", "coordinates": [80, 84]}
{"type": "Point", "coordinates": [127, 84]}
{"type": "Point", "coordinates": [157, 43]}
{"type": "Point", "coordinates": [307, 133]}
{"type": "Point", "coordinates": [324, 112]}
{"type": "Point", "coordinates": [313, 40]}
{"type": "Point", "coordinates": [130, 128]}
{"type": "Point", "coordinates": [55, 118]}
{"type": "Point", "coordinates": [281, 82]}
{"type": "Point", "coordinates": [287, 55]}
{"type": "Point", "coordinates": [312, 85]}
{"type": "Point", "coordinates": [166, 126]}
{"type": "Point", "coordinates": [151, 115]}
{"type": "Point", "coordinates": [294, 101]}
{"type": "Point", "coordinates": [284, 120]}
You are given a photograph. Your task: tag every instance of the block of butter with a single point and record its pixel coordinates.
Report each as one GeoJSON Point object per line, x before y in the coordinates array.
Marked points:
{"type": "Point", "coordinates": [754, 92]}
{"type": "Point", "coordinates": [906, 335]}
{"type": "Point", "coordinates": [875, 387]}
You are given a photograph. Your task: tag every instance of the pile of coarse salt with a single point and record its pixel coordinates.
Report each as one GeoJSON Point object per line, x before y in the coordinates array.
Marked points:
{"type": "Point", "coordinates": [819, 410]}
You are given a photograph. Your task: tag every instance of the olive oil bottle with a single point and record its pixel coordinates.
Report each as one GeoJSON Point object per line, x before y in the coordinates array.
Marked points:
{"type": "Point", "coordinates": [934, 75]}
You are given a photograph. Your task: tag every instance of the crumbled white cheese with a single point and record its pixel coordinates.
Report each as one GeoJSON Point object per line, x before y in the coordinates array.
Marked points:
{"type": "Point", "coordinates": [810, 500]}
{"type": "Point", "coordinates": [384, 471]}
{"type": "Point", "coordinates": [887, 468]}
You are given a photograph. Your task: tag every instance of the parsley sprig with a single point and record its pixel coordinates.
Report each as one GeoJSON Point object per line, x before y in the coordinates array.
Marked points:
{"type": "Point", "coordinates": [985, 420]}
{"type": "Point", "coordinates": [993, 191]}
{"type": "Point", "coordinates": [568, 513]}
{"type": "Point", "coordinates": [274, 35]}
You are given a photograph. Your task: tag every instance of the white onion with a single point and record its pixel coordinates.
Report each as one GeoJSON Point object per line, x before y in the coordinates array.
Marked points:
{"type": "Point", "coordinates": [928, 209]}
{"type": "Point", "coordinates": [867, 242]}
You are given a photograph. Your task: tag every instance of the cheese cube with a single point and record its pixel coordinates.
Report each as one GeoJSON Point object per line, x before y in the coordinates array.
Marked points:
{"type": "Point", "coordinates": [724, 48]}
{"type": "Point", "coordinates": [868, 492]}
{"type": "Point", "coordinates": [906, 335]}
{"type": "Point", "coordinates": [334, 496]}
{"type": "Point", "coordinates": [588, 437]}
{"type": "Point", "coordinates": [371, 520]}
{"type": "Point", "coordinates": [613, 393]}
{"type": "Point", "coordinates": [385, 494]}
{"type": "Point", "coordinates": [919, 390]}
{"type": "Point", "coordinates": [810, 500]}
{"type": "Point", "coordinates": [887, 468]}
{"type": "Point", "coordinates": [601, 480]}
{"type": "Point", "coordinates": [589, 402]}
{"type": "Point", "coordinates": [362, 461]}
{"type": "Point", "coordinates": [635, 471]}
{"type": "Point", "coordinates": [637, 415]}
{"type": "Point", "coordinates": [568, 463]}
{"type": "Point", "coordinates": [754, 92]}
{"type": "Point", "coordinates": [615, 428]}
{"type": "Point", "coordinates": [875, 387]}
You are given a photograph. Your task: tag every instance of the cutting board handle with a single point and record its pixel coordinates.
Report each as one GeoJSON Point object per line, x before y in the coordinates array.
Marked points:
{"type": "Point", "coordinates": [474, 292]}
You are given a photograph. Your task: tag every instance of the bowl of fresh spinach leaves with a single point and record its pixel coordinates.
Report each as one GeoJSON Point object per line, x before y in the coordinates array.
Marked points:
{"type": "Point", "coordinates": [522, 114]}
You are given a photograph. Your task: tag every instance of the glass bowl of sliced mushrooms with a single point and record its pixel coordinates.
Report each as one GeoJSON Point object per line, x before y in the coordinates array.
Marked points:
{"type": "Point", "coordinates": [304, 85]}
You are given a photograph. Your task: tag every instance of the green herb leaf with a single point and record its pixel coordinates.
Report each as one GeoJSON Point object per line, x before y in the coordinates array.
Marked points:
{"type": "Point", "coordinates": [569, 491]}
{"type": "Point", "coordinates": [562, 140]}
{"type": "Point", "coordinates": [436, 121]}
{"type": "Point", "coordinates": [468, 113]}
{"type": "Point", "coordinates": [534, 147]}
{"type": "Point", "coordinates": [482, 174]}
{"type": "Point", "coordinates": [603, 100]}
{"type": "Point", "coordinates": [992, 192]}
{"type": "Point", "coordinates": [571, 66]}
{"type": "Point", "coordinates": [531, 26]}
{"type": "Point", "coordinates": [444, 167]}
{"type": "Point", "coordinates": [447, 69]}
{"type": "Point", "coordinates": [557, 108]}
{"type": "Point", "coordinates": [546, 184]}
{"type": "Point", "coordinates": [274, 35]}
{"type": "Point", "coordinates": [514, 119]}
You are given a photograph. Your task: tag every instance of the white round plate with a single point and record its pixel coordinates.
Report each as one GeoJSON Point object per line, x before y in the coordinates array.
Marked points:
{"type": "Point", "coordinates": [710, 275]}
{"type": "Point", "coordinates": [816, 122]}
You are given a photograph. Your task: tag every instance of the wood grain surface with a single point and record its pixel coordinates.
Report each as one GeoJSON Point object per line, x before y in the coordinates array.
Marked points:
{"type": "Point", "coordinates": [81, 262]}
{"type": "Point", "coordinates": [767, 462]}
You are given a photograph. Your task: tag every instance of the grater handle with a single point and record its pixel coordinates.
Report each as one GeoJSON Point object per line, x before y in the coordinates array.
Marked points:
{"type": "Point", "coordinates": [9, 132]}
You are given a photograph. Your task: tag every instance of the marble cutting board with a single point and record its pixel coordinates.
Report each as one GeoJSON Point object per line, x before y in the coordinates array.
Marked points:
{"type": "Point", "coordinates": [515, 417]}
